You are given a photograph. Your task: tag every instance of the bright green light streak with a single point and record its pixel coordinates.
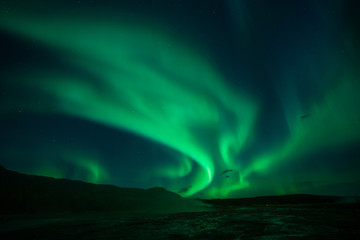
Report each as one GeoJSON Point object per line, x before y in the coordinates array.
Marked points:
{"type": "Point", "coordinates": [150, 84]}
{"type": "Point", "coordinates": [334, 121]}
{"type": "Point", "coordinates": [180, 171]}
{"type": "Point", "coordinates": [87, 167]}
{"type": "Point", "coordinates": [146, 83]}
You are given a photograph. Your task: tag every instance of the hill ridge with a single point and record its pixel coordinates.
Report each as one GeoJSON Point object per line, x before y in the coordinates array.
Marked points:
{"type": "Point", "coordinates": [29, 193]}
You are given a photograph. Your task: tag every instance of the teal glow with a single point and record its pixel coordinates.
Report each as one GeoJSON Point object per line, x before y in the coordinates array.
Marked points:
{"type": "Point", "coordinates": [156, 88]}
{"type": "Point", "coordinates": [254, 104]}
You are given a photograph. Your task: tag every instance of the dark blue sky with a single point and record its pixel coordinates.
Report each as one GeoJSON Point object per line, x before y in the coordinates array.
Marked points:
{"type": "Point", "coordinates": [174, 93]}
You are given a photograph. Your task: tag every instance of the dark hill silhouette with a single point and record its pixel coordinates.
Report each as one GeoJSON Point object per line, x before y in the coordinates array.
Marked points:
{"type": "Point", "coordinates": [22, 193]}
{"type": "Point", "coordinates": [34, 207]}
{"type": "Point", "coordinates": [275, 200]}
{"type": "Point", "coordinates": [292, 200]}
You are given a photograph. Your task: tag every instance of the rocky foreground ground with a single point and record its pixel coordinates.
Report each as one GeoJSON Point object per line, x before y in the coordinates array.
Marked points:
{"type": "Point", "coordinates": [258, 222]}
{"type": "Point", "coordinates": [33, 207]}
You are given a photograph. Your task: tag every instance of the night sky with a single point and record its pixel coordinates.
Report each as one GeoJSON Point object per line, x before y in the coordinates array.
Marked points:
{"type": "Point", "coordinates": [209, 99]}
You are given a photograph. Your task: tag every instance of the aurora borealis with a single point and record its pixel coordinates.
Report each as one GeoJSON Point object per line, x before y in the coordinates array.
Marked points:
{"type": "Point", "coordinates": [205, 98]}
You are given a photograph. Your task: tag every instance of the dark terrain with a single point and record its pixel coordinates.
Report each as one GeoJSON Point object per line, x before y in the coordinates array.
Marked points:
{"type": "Point", "coordinates": [33, 207]}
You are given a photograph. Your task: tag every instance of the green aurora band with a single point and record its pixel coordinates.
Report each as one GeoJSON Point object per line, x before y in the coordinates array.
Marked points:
{"type": "Point", "coordinates": [152, 84]}
{"type": "Point", "coordinates": [172, 97]}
